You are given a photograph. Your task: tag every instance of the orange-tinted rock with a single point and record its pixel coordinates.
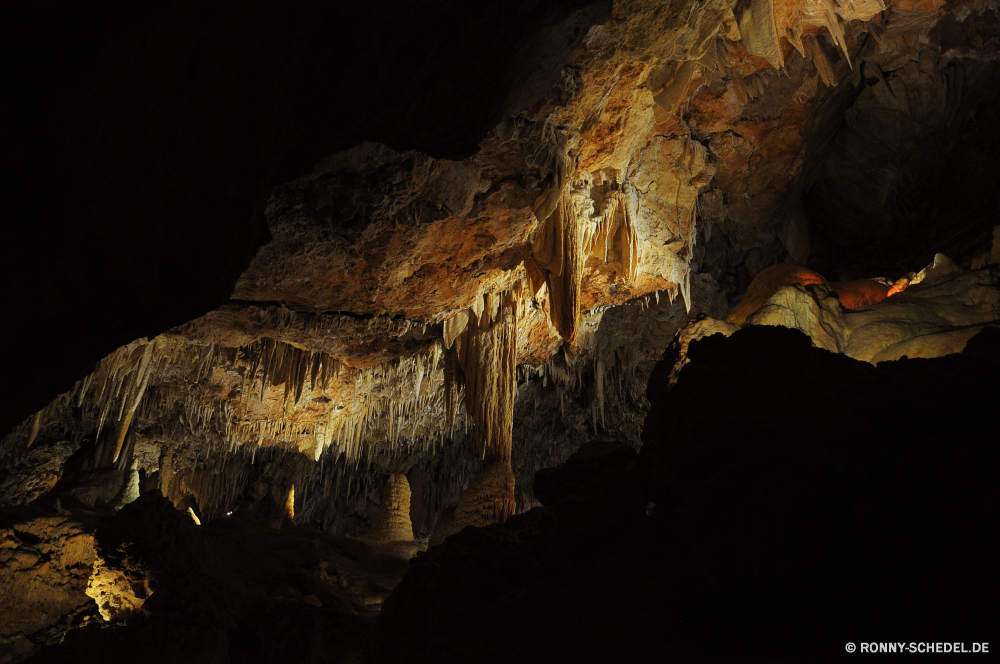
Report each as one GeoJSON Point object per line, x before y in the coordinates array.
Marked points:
{"type": "Point", "coordinates": [768, 282]}
{"type": "Point", "coordinates": [860, 293]}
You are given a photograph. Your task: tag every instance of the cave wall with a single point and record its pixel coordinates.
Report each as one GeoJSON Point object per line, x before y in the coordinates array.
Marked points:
{"type": "Point", "coordinates": [286, 244]}
{"type": "Point", "coordinates": [267, 260]}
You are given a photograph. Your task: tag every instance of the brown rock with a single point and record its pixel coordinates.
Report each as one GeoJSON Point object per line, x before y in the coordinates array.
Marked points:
{"type": "Point", "coordinates": [45, 579]}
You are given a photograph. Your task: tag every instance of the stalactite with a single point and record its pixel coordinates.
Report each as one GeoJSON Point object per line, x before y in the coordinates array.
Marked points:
{"type": "Point", "coordinates": [486, 354]}
{"type": "Point", "coordinates": [823, 13]}
{"type": "Point", "coordinates": [220, 410]}
{"type": "Point", "coordinates": [558, 252]}
{"type": "Point", "coordinates": [614, 238]}
{"type": "Point", "coordinates": [685, 289]}
{"type": "Point", "coordinates": [760, 33]}
{"type": "Point", "coordinates": [483, 359]}
{"type": "Point", "coordinates": [822, 63]}
{"type": "Point", "coordinates": [134, 395]}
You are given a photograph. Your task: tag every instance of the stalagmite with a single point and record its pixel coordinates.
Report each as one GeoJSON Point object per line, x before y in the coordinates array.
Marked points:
{"type": "Point", "coordinates": [490, 496]}
{"type": "Point", "coordinates": [288, 519]}
{"type": "Point", "coordinates": [130, 489]}
{"type": "Point", "coordinates": [392, 523]}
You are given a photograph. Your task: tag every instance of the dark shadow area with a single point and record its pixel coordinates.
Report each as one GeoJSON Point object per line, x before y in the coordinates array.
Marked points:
{"type": "Point", "coordinates": [786, 501]}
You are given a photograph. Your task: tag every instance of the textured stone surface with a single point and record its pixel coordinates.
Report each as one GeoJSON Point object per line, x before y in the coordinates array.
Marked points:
{"type": "Point", "coordinates": [392, 524]}
{"type": "Point", "coordinates": [45, 564]}
{"type": "Point", "coordinates": [611, 170]}
{"type": "Point", "coordinates": [930, 319]}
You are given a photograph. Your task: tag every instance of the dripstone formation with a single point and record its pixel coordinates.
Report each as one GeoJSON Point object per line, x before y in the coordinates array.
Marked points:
{"type": "Point", "coordinates": [618, 311]}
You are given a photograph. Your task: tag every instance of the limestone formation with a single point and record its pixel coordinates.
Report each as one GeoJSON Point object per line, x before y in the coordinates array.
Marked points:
{"type": "Point", "coordinates": [392, 523]}
{"type": "Point", "coordinates": [861, 292]}
{"type": "Point", "coordinates": [765, 284]}
{"type": "Point", "coordinates": [559, 252]}
{"type": "Point", "coordinates": [484, 356]}
{"type": "Point", "coordinates": [130, 487]}
{"type": "Point", "coordinates": [456, 264]}
{"type": "Point", "coordinates": [616, 186]}
{"type": "Point", "coordinates": [45, 564]}
{"type": "Point", "coordinates": [288, 517]}
{"type": "Point", "coordinates": [489, 498]}
{"type": "Point", "coordinates": [940, 310]}
{"type": "Point", "coordinates": [118, 591]}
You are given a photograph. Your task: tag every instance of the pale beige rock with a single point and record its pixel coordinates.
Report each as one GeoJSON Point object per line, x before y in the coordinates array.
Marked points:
{"type": "Point", "coordinates": [928, 319]}
{"type": "Point", "coordinates": [766, 284]}
{"type": "Point", "coordinates": [395, 240]}
{"type": "Point", "coordinates": [807, 308]}
{"type": "Point", "coordinates": [941, 267]}
{"type": "Point", "coordinates": [392, 523]}
{"type": "Point", "coordinates": [760, 33]}
{"type": "Point", "coordinates": [861, 10]}
{"type": "Point", "coordinates": [118, 591]}
{"type": "Point", "coordinates": [130, 487]}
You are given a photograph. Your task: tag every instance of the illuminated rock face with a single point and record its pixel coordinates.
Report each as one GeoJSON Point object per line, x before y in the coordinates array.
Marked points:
{"type": "Point", "coordinates": [45, 564]}
{"type": "Point", "coordinates": [118, 591]}
{"type": "Point", "coordinates": [470, 281]}
{"type": "Point", "coordinates": [930, 319]}
{"type": "Point", "coordinates": [937, 312]}
{"type": "Point", "coordinates": [766, 284]}
{"type": "Point", "coordinates": [659, 148]}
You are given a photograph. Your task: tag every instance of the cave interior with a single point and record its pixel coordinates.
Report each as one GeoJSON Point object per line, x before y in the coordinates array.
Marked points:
{"type": "Point", "coordinates": [581, 330]}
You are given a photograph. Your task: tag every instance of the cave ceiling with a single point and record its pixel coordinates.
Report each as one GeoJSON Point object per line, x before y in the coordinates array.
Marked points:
{"type": "Point", "coordinates": [283, 252]}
